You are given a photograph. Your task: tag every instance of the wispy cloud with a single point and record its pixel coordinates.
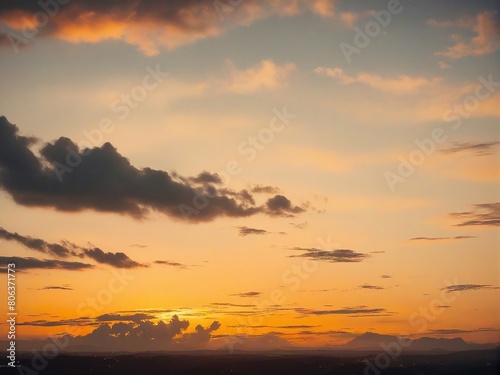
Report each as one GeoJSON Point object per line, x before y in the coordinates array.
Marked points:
{"type": "Point", "coordinates": [441, 238]}
{"type": "Point", "coordinates": [401, 85]}
{"type": "Point", "coordinates": [245, 231]}
{"type": "Point", "coordinates": [478, 149]}
{"type": "Point", "coordinates": [486, 40]}
{"type": "Point", "coordinates": [60, 323]}
{"type": "Point", "coordinates": [67, 249]}
{"type": "Point", "coordinates": [334, 256]}
{"type": "Point", "coordinates": [466, 287]}
{"type": "Point", "coordinates": [484, 214]}
{"type": "Point", "coordinates": [247, 294]}
{"type": "Point", "coordinates": [33, 263]}
{"type": "Point", "coordinates": [56, 287]}
{"type": "Point", "coordinates": [265, 189]}
{"type": "Point", "coordinates": [299, 225]}
{"type": "Point", "coordinates": [265, 76]}
{"type": "Point", "coordinates": [352, 311]}
{"type": "Point", "coordinates": [373, 287]}
{"type": "Point", "coordinates": [171, 264]}
{"type": "Point", "coordinates": [36, 244]}
{"type": "Point", "coordinates": [136, 318]}
{"type": "Point", "coordinates": [457, 331]}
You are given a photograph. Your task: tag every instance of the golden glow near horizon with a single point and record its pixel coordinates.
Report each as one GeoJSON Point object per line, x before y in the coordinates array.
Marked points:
{"type": "Point", "coordinates": [292, 173]}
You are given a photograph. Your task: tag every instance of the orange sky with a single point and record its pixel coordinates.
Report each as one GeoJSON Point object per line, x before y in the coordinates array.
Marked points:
{"type": "Point", "coordinates": [245, 169]}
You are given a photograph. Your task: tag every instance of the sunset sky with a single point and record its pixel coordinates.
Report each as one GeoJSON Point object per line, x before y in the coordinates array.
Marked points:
{"type": "Point", "coordinates": [277, 172]}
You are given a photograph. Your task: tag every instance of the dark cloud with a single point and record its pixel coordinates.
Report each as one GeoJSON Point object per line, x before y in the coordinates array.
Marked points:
{"type": "Point", "coordinates": [60, 323]}
{"type": "Point", "coordinates": [465, 287]}
{"type": "Point", "coordinates": [280, 205]}
{"type": "Point", "coordinates": [368, 286]}
{"type": "Point", "coordinates": [261, 189]}
{"type": "Point", "coordinates": [136, 318]}
{"type": "Point", "coordinates": [66, 249]}
{"type": "Point", "coordinates": [455, 331]}
{"type": "Point", "coordinates": [226, 304]}
{"type": "Point", "coordinates": [149, 19]}
{"type": "Point", "coordinates": [441, 238]}
{"type": "Point", "coordinates": [145, 311]}
{"type": "Point", "coordinates": [171, 264]}
{"type": "Point", "coordinates": [247, 294]}
{"type": "Point", "coordinates": [118, 260]}
{"type": "Point", "coordinates": [386, 276]}
{"type": "Point", "coordinates": [101, 179]}
{"type": "Point", "coordinates": [487, 214]}
{"type": "Point", "coordinates": [334, 256]}
{"type": "Point", "coordinates": [36, 244]}
{"type": "Point", "coordinates": [138, 245]}
{"type": "Point", "coordinates": [353, 311]}
{"type": "Point", "coordinates": [478, 149]}
{"type": "Point", "coordinates": [33, 263]}
{"type": "Point", "coordinates": [146, 335]}
{"type": "Point", "coordinates": [150, 25]}
{"type": "Point", "coordinates": [207, 178]}
{"type": "Point", "coordinates": [55, 287]}
{"type": "Point", "coordinates": [299, 225]}
{"type": "Point", "coordinates": [245, 231]}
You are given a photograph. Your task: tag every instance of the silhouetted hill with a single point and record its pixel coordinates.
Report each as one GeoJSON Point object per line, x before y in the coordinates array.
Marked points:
{"type": "Point", "coordinates": [370, 341]}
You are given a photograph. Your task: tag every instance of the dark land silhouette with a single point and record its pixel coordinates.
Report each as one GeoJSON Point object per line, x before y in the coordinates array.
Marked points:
{"type": "Point", "coordinates": [477, 362]}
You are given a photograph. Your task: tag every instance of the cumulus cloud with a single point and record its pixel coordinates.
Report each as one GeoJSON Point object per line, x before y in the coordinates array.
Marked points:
{"type": "Point", "coordinates": [484, 214]}
{"type": "Point", "coordinates": [101, 179]}
{"type": "Point", "coordinates": [279, 205]}
{"type": "Point", "coordinates": [333, 256]}
{"type": "Point", "coordinates": [150, 25]}
{"type": "Point", "coordinates": [401, 85]}
{"type": "Point", "coordinates": [265, 76]}
{"type": "Point", "coordinates": [145, 335]}
{"type": "Point", "coordinates": [486, 40]}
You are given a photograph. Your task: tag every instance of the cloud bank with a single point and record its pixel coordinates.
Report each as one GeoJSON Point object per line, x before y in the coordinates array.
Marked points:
{"type": "Point", "coordinates": [101, 179]}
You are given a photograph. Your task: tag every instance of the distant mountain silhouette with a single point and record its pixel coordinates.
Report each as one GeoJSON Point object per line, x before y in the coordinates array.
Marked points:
{"type": "Point", "coordinates": [375, 341]}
